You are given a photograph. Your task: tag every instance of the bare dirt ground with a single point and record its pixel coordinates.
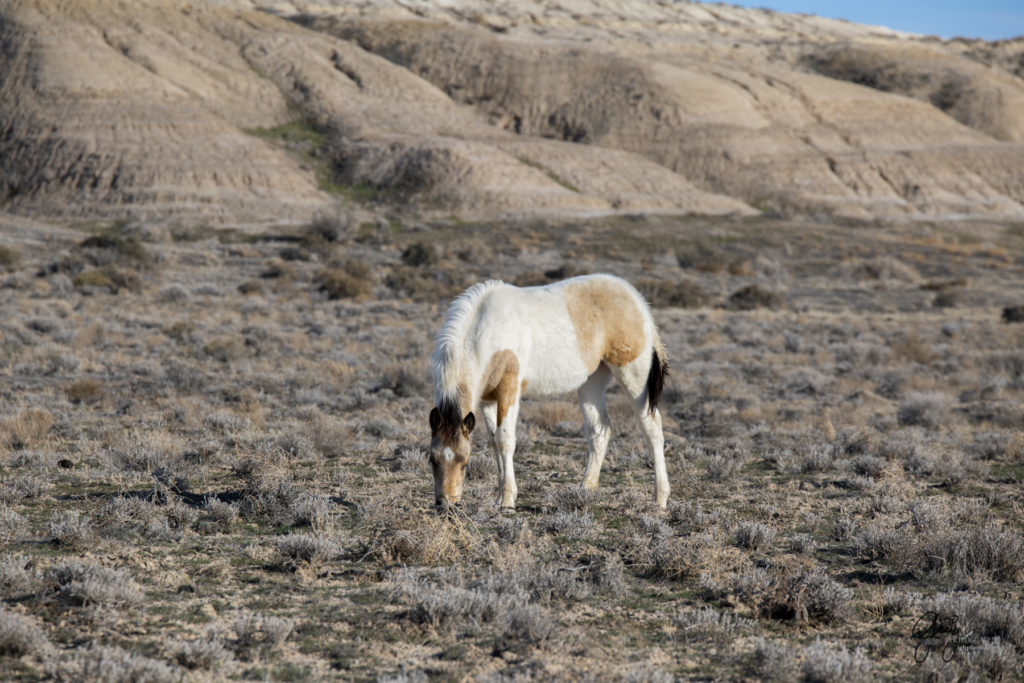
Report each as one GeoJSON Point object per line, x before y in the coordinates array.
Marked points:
{"type": "Point", "coordinates": [212, 458]}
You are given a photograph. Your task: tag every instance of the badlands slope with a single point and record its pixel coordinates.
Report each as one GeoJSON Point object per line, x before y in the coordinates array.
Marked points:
{"type": "Point", "coordinates": [181, 111]}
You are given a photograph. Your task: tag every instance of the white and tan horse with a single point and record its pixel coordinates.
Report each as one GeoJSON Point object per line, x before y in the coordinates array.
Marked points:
{"type": "Point", "coordinates": [500, 343]}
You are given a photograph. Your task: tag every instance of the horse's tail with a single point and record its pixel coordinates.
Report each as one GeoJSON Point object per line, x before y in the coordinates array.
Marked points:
{"type": "Point", "coordinates": [656, 375]}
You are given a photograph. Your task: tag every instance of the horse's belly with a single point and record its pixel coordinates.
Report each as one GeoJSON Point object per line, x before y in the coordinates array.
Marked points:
{"type": "Point", "coordinates": [555, 373]}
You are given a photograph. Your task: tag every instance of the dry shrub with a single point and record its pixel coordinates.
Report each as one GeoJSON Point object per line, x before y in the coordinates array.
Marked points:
{"type": "Point", "coordinates": [725, 464]}
{"type": "Point", "coordinates": [9, 257]}
{"type": "Point", "coordinates": [20, 635]}
{"type": "Point", "coordinates": [572, 498]}
{"type": "Point", "coordinates": [1013, 314]}
{"type": "Point", "coordinates": [914, 349]}
{"type": "Point", "coordinates": [878, 268]}
{"type": "Point", "coordinates": [306, 549]}
{"type": "Point", "coordinates": [799, 595]}
{"type": "Point", "coordinates": [703, 256]}
{"type": "Point", "coordinates": [926, 409]}
{"type": "Point", "coordinates": [115, 246]}
{"type": "Point", "coordinates": [941, 545]}
{"type": "Point", "coordinates": [83, 582]}
{"type": "Point", "coordinates": [549, 413]}
{"type": "Point", "coordinates": [707, 623]}
{"type": "Point", "coordinates": [331, 437]}
{"type": "Point", "coordinates": [824, 664]}
{"type": "Point", "coordinates": [87, 391]}
{"type": "Point", "coordinates": [773, 661]}
{"type": "Point", "coordinates": [111, 663]}
{"type": "Point", "coordinates": [993, 659]}
{"type": "Point", "coordinates": [350, 280]}
{"type": "Point", "coordinates": [505, 605]}
{"type": "Point", "coordinates": [680, 293]}
{"type": "Point", "coordinates": [419, 254]}
{"type": "Point", "coordinates": [109, 278]}
{"type": "Point", "coordinates": [207, 652]}
{"type": "Point", "coordinates": [174, 293]}
{"type": "Point", "coordinates": [982, 616]}
{"type": "Point", "coordinates": [253, 630]}
{"type": "Point", "coordinates": [676, 558]}
{"type": "Point", "coordinates": [571, 524]}
{"type": "Point", "coordinates": [430, 541]}
{"type": "Point", "coordinates": [12, 524]}
{"type": "Point", "coordinates": [27, 429]}
{"type": "Point", "coordinates": [71, 530]}
{"type": "Point", "coordinates": [990, 552]}
{"type": "Point", "coordinates": [751, 297]}
{"type": "Point", "coordinates": [400, 534]}
{"type": "Point", "coordinates": [327, 228]}
{"type": "Point", "coordinates": [225, 348]}
{"type": "Point", "coordinates": [755, 536]}
{"type": "Point", "coordinates": [18, 575]}
{"type": "Point", "coordinates": [405, 379]}
{"type": "Point", "coordinates": [802, 544]}
{"type": "Point", "coordinates": [420, 284]}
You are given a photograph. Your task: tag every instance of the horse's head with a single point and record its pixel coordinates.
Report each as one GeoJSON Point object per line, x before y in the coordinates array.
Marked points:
{"type": "Point", "coordinates": [449, 453]}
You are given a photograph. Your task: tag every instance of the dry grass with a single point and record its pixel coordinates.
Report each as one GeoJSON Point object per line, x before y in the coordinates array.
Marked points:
{"type": "Point", "coordinates": [205, 482]}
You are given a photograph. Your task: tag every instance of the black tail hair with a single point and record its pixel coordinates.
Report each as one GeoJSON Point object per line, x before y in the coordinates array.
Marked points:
{"type": "Point", "coordinates": [656, 380]}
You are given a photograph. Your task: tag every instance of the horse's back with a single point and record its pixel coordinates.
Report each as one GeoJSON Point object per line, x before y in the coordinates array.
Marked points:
{"type": "Point", "coordinates": [562, 332]}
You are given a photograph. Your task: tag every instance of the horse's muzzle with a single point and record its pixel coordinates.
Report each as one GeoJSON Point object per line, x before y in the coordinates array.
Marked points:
{"type": "Point", "coordinates": [446, 507]}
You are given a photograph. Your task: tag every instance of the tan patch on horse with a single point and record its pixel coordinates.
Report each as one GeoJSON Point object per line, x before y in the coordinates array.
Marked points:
{"type": "Point", "coordinates": [501, 381]}
{"type": "Point", "coordinates": [608, 321]}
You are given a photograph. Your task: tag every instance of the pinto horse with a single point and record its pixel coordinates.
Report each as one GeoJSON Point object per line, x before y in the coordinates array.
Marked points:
{"type": "Point", "coordinates": [500, 343]}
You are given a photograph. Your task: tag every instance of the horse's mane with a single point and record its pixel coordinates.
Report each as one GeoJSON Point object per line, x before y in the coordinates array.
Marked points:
{"type": "Point", "coordinates": [447, 359]}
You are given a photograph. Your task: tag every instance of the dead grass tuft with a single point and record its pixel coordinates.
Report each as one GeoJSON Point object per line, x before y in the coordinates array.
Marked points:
{"type": "Point", "coordinates": [27, 429]}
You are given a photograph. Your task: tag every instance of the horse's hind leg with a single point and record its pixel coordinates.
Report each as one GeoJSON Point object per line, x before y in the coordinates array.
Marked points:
{"type": "Point", "coordinates": [633, 378]}
{"type": "Point", "coordinates": [596, 424]}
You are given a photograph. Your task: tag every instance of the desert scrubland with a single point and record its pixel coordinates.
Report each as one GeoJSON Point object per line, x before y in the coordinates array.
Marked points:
{"type": "Point", "coordinates": [229, 233]}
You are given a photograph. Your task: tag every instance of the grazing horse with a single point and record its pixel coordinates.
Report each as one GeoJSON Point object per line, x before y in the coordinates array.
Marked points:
{"type": "Point", "coordinates": [500, 343]}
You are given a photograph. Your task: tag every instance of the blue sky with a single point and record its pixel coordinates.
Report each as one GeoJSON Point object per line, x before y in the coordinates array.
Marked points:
{"type": "Point", "coordinates": [989, 19]}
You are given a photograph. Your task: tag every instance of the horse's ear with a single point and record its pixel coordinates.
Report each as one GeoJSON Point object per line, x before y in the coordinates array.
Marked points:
{"type": "Point", "coordinates": [469, 423]}
{"type": "Point", "coordinates": [435, 420]}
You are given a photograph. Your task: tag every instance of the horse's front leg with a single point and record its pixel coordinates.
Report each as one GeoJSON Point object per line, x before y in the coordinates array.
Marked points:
{"type": "Point", "coordinates": [490, 411]}
{"type": "Point", "coordinates": [505, 438]}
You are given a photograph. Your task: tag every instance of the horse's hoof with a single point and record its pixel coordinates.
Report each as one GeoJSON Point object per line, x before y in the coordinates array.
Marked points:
{"type": "Point", "coordinates": [507, 511]}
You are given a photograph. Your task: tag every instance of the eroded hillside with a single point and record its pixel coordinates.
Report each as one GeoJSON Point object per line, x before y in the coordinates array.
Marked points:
{"type": "Point", "coordinates": [250, 111]}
